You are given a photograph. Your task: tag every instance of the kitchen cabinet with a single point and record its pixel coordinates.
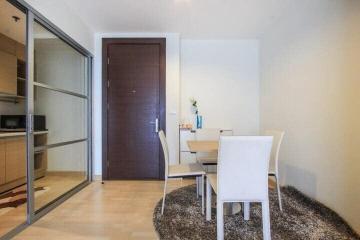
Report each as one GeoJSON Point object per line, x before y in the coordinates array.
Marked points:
{"type": "Point", "coordinates": [2, 161]}
{"type": "Point", "coordinates": [15, 157]}
{"type": "Point", "coordinates": [185, 155]}
{"type": "Point", "coordinates": [12, 65]}
{"type": "Point", "coordinates": [20, 51]}
{"type": "Point", "coordinates": [40, 158]}
{"type": "Point", "coordinates": [12, 47]}
{"type": "Point", "coordinates": [7, 45]}
{"type": "Point", "coordinates": [8, 73]}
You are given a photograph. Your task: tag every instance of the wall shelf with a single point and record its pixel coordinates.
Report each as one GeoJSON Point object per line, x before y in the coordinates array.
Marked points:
{"type": "Point", "coordinates": [4, 97]}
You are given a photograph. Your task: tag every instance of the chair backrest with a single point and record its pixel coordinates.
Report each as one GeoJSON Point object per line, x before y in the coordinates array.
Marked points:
{"type": "Point", "coordinates": [243, 168]}
{"type": "Point", "coordinates": [207, 134]}
{"type": "Point", "coordinates": [165, 148]}
{"type": "Point", "coordinates": [277, 140]}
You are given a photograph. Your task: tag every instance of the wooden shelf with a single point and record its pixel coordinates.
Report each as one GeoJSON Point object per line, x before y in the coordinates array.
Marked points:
{"type": "Point", "coordinates": [4, 97]}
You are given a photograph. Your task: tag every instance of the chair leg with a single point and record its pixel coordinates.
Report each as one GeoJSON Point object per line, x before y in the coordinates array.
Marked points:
{"type": "Point", "coordinates": [246, 211]}
{"type": "Point", "coordinates": [199, 179]}
{"type": "Point", "coordinates": [208, 200]}
{"type": "Point", "coordinates": [164, 195]}
{"type": "Point", "coordinates": [266, 220]}
{"type": "Point", "coordinates": [197, 187]}
{"type": "Point", "coordinates": [278, 192]}
{"type": "Point", "coordinates": [202, 195]}
{"type": "Point", "coordinates": [220, 220]}
{"type": "Point", "coordinates": [202, 185]}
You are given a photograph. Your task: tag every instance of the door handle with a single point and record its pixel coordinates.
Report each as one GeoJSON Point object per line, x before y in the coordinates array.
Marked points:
{"type": "Point", "coordinates": [31, 123]}
{"type": "Point", "coordinates": [156, 125]}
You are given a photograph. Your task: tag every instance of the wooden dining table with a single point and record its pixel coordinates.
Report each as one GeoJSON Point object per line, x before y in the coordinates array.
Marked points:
{"type": "Point", "coordinates": [203, 146]}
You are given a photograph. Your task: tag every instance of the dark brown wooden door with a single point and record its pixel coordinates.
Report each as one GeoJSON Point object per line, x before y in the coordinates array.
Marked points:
{"type": "Point", "coordinates": [135, 99]}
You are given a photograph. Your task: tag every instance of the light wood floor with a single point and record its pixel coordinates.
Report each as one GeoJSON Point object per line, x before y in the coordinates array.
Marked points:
{"type": "Point", "coordinates": [57, 184]}
{"type": "Point", "coordinates": [115, 210]}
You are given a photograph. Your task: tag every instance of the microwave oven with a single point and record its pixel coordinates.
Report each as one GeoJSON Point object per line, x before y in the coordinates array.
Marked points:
{"type": "Point", "coordinates": [18, 123]}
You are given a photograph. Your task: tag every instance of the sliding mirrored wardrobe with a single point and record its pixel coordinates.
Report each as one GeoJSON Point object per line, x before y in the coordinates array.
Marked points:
{"type": "Point", "coordinates": [45, 116]}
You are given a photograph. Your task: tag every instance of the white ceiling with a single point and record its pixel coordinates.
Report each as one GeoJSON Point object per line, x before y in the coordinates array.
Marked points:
{"type": "Point", "coordinates": [190, 18]}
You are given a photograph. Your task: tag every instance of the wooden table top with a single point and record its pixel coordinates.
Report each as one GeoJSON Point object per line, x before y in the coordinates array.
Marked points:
{"type": "Point", "coordinates": [203, 146]}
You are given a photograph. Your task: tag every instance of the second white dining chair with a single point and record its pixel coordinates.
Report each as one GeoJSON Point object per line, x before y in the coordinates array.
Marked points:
{"type": "Point", "coordinates": [207, 134]}
{"type": "Point", "coordinates": [242, 176]}
{"type": "Point", "coordinates": [180, 170]}
{"type": "Point", "coordinates": [274, 159]}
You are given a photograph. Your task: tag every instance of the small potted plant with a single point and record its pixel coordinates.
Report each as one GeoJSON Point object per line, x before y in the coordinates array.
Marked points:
{"type": "Point", "coordinates": [196, 111]}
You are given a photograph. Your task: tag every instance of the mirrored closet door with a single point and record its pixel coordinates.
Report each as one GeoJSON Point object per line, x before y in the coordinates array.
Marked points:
{"type": "Point", "coordinates": [60, 117]}
{"type": "Point", "coordinates": [45, 116]}
{"type": "Point", "coordinates": [13, 164]}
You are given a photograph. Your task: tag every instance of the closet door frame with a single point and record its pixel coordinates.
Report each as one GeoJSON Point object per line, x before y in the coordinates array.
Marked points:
{"type": "Point", "coordinates": [33, 16]}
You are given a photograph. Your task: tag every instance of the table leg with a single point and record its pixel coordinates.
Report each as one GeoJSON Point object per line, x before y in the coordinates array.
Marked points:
{"type": "Point", "coordinates": [232, 208]}
{"type": "Point", "coordinates": [229, 208]}
{"type": "Point", "coordinates": [208, 200]}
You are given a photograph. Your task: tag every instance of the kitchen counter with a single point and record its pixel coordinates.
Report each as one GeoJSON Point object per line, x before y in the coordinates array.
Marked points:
{"type": "Point", "coordinates": [17, 134]}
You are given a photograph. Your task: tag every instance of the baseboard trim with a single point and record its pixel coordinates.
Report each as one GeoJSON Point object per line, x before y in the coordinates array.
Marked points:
{"type": "Point", "coordinates": [97, 177]}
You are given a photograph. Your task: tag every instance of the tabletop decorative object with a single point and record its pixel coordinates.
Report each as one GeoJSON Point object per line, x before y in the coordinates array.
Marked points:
{"type": "Point", "coordinates": [196, 111]}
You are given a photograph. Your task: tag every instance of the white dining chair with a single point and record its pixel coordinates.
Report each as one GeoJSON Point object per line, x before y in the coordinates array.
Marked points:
{"type": "Point", "coordinates": [242, 176]}
{"type": "Point", "coordinates": [274, 159]}
{"type": "Point", "coordinates": [178, 171]}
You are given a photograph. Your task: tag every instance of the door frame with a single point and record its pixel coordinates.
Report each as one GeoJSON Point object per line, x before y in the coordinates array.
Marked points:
{"type": "Point", "coordinates": [162, 95]}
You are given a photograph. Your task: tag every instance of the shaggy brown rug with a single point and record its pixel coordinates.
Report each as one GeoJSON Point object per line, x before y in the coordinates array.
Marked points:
{"type": "Point", "coordinates": [302, 218]}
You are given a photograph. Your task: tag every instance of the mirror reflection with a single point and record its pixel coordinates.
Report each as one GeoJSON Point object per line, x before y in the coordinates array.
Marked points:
{"type": "Point", "coordinates": [59, 116]}
{"type": "Point", "coordinates": [13, 198]}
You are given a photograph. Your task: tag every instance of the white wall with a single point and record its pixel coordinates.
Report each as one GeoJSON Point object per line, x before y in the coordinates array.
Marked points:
{"type": "Point", "coordinates": [310, 88]}
{"type": "Point", "coordinates": [172, 92]}
{"type": "Point", "coordinates": [62, 16]}
{"type": "Point", "coordinates": [223, 76]}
